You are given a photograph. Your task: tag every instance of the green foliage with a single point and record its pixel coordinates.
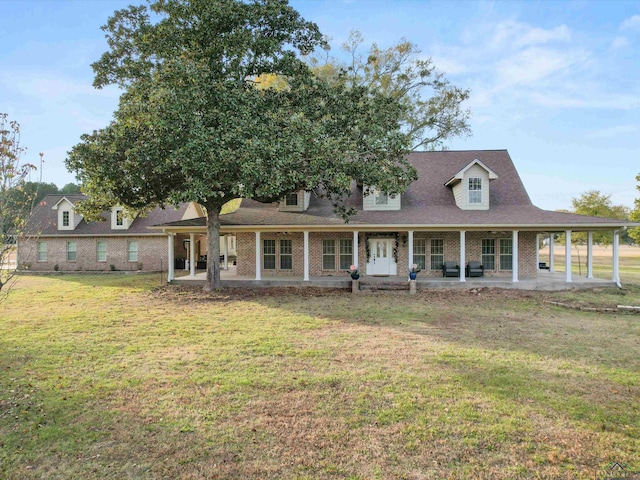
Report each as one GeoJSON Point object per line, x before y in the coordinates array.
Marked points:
{"type": "Point", "coordinates": [70, 188]}
{"type": "Point", "coordinates": [635, 215]}
{"type": "Point", "coordinates": [192, 126]}
{"type": "Point", "coordinates": [596, 204]}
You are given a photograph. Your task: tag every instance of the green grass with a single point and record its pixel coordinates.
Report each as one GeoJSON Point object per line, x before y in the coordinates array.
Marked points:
{"type": "Point", "coordinates": [110, 377]}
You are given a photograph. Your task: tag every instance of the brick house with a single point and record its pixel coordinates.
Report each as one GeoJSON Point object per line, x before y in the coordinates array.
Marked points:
{"type": "Point", "coordinates": [465, 206]}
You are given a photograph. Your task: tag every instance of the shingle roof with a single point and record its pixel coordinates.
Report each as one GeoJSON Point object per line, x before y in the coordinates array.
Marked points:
{"type": "Point", "coordinates": [44, 220]}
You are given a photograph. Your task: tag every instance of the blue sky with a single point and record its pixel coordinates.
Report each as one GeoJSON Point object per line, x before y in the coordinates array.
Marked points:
{"type": "Point", "coordinates": [557, 83]}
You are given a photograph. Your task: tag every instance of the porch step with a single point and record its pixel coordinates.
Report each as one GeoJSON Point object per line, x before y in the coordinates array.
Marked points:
{"type": "Point", "coordinates": [373, 286]}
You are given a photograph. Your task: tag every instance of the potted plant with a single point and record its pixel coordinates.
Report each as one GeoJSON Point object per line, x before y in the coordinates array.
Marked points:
{"type": "Point", "coordinates": [413, 273]}
{"type": "Point", "coordinates": [354, 272]}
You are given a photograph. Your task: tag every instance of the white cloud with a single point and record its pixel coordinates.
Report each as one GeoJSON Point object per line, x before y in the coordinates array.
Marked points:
{"type": "Point", "coordinates": [631, 23]}
{"type": "Point", "coordinates": [601, 101]}
{"type": "Point", "coordinates": [619, 42]}
{"type": "Point", "coordinates": [512, 34]}
{"type": "Point", "coordinates": [450, 66]}
{"type": "Point", "coordinates": [534, 64]}
{"type": "Point", "coordinates": [615, 131]}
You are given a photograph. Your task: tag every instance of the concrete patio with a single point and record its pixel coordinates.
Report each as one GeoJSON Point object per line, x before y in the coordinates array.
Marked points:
{"type": "Point", "coordinates": [545, 280]}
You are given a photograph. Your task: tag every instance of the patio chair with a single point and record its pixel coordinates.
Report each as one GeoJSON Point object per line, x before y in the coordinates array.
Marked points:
{"type": "Point", "coordinates": [475, 269]}
{"type": "Point", "coordinates": [450, 269]}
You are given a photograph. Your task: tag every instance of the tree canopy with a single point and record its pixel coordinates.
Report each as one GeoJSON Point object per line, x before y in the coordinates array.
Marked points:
{"type": "Point", "coordinates": [192, 126]}
{"type": "Point", "coordinates": [597, 204]}
{"type": "Point", "coordinates": [635, 214]}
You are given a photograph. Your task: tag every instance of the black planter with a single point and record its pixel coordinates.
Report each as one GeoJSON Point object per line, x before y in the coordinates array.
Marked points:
{"type": "Point", "coordinates": [413, 275]}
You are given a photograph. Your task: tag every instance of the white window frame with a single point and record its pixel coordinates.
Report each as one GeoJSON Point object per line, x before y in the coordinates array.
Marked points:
{"type": "Point", "coordinates": [265, 253]}
{"type": "Point", "coordinates": [475, 190]}
{"type": "Point", "coordinates": [436, 250]}
{"type": "Point", "coordinates": [132, 253]}
{"type": "Point", "coordinates": [101, 251]}
{"type": "Point", "coordinates": [506, 252]}
{"type": "Point", "coordinates": [380, 198]}
{"type": "Point", "coordinates": [286, 252]}
{"type": "Point", "coordinates": [66, 218]}
{"type": "Point", "coordinates": [420, 252]}
{"type": "Point", "coordinates": [72, 251]}
{"type": "Point", "coordinates": [488, 250]}
{"type": "Point", "coordinates": [345, 251]}
{"type": "Point", "coordinates": [291, 200]}
{"type": "Point", "coordinates": [328, 252]}
{"type": "Point", "coordinates": [42, 251]}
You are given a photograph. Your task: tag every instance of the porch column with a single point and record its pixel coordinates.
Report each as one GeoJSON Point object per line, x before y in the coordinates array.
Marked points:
{"type": "Point", "coordinates": [463, 260]}
{"type": "Point", "coordinates": [170, 258]}
{"type": "Point", "coordinates": [355, 248]}
{"type": "Point", "coordinates": [192, 254]}
{"type": "Point", "coordinates": [589, 254]}
{"type": "Point", "coordinates": [306, 256]}
{"type": "Point", "coordinates": [410, 249]}
{"type": "Point", "coordinates": [258, 276]}
{"type": "Point", "coordinates": [567, 255]}
{"type": "Point", "coordinates": [514, 257]}
{"type": "Point", "coordinates": [616, 258]}
{"type": "Point", "coordinates": [551, 247]}
{"type": "Point", "coordinates": [537, 250]}
{"type": "Point", "coordinates": [225, 253]}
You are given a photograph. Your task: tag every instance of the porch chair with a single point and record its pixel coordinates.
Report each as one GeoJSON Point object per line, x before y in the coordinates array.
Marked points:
{"type": "Point", "coordinates": [475, 269]}
{"type": "Point", "coordinates": [450, 269]}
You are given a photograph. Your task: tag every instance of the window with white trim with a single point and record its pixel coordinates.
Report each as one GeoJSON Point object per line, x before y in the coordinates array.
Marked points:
{"type": "Point", "coordinates": [328, 254]}
{"type": "Point", "coordinates": [506, 254]}
{"type": "Point", "coordinates": [437, 253]}
{"type": "Point", "coordinates": [346, 253]}
{"type": "Point", "coordinates": [72, 251]}
{"type": "Point", "coordinates": [119, 218]}
{"type": "Point", "coordinates": [380, 198]}
{"type": "Point", "coordinates": [489, 253]}
{"type": "Point", "coordinates": [65, 218]}
{"type": "Point", "coordinates": [286, 254]}
{"type": "Point", "coordinates": [269, 254]}
{"type": "Point", "coordinates": [291, 200]}
{"type": "Point", "coordinates": [475, 190]}
{"type": "Point", "coordinates": [42, 251]}
{"type": "Point", "coordinates": [101, 251]}
{"type": "Point", "coordinates": [132, 251]}
{"type": "Point", "coordinates": [420, 252]}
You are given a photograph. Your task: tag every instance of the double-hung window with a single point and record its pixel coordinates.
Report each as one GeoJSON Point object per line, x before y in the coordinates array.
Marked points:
{"type": "Point", "coordinates": [286, 255]}
{"type": "Point", "coordinates": [101, 251]}
{"type": "Point", "coordinates": [420, 252]}
{"type": "Point", "coordinates": [42, 251]}
{"type": "Point", "coordinates": [65, 218]}
{"type": "Point", "coordinates": [506, 254]}
{"type": "Point", "coordinates": [291, 200]}
{"type": "Point", "coordinates": [132, 251]}
{"type": "Point", "coordinates": [346, 253]}
{"type": "Point", "coordinates": [437, 253]}
{"type": "Point", "coordinates": [328, 254]}
{"type": "Point", "coordinates": [475, 190]}
{"type": "Point", "coordinates": [269, 254]}
{"type": "Point", "coordinates": [72, 251]}
{"type": "Point", "coordinates": [489, 253]}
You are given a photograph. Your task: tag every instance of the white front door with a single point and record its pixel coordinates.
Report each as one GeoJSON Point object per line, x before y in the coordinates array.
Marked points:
{"type": "Point", "coordinates": [381, 261]}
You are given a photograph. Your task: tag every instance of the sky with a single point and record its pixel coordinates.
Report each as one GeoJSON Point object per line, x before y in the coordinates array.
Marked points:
{"type": "Point", "coordinates": [556, 83]}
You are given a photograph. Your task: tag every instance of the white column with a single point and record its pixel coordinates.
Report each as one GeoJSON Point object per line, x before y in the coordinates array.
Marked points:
{"type": "Point", "coordinates": [567, 255]}
{"type": "Point", "coordinates": [170, 271]}
{"type": "Point", "coordinates": [463, 260]}
{"type": "Point", "coordinates": [589, 254]}
{"type": "Point", "coordinates": [514, 257]}
{"type": "Point", "coordinates": [306, 256]}
{"type": "Point", "coordinates": [192, 254]}
{"type": "Point", "coordinates": [258, 263]}
{"type": "Point", "coordinates": [537, 250]}
{"type": "Point", "coordinates": [225, 252]}
{"type": "Point", "coordinates": [551, 248]}
{"type": "Point", "coordinates": [616, 258]}
{"type": "Point", "coordinates": [355, 248]}
{"type": "Point", "coordinates": [410, 249]}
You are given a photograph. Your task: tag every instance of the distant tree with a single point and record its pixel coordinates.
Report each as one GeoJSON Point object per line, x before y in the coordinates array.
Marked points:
{"type": "Point", "coordinates": [12, 178]}
{"type": "Point", "coordinates": [433, 111]}
{"type": "Point", "coordinates": [28, 193]}
{"type": "Point", "coordinates": [635, 215]}
{"type": "Point", "coordinates": [596, 204]}
{"type": "Point", "coordinates": [70, 188]}
{"type": "Point", "coordinates": [192, 126]}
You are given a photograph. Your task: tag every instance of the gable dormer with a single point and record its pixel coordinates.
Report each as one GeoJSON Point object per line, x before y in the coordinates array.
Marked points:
{"type": "Point", "coordinates": [470, 186]}
{"type": "Point", "coordinates": [68, 219]}
{"type": "Point", "coordinates": [119, 220]}
{"type": "Point", "coordinates": [295, 202]}
{"type": "Point", "coordinates": [376, 199]}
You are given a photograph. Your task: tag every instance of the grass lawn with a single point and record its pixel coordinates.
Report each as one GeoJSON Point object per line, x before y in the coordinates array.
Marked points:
{"type": "Point", "coordinates": [110, 377]}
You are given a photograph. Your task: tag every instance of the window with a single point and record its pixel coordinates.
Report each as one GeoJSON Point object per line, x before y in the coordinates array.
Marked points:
{"type": "Point", "coordinates": [291, 200]}
{"type": "Point", "coordinates": [328, 254]}
{"type": "Point", "coordinates": [437, 253]}
{"type": "Point", "coordinates": [269, 254]}
{"type": "Point", "coordinates": [119, 218]}
{"type": "Point", "coordinates": [420, 252]}
{"type": "Point", "coordinates": [489, 253]}
{"type": "Point", "coordinates": [72, 251]}
{"type": "Point", "coordinates": [286, 255]}
{"type": "Point", "coordinates": [65, 218]}
{"type": "Point", "coordinates": [380, 198]}
{"type": "Point", "coordinates": [475, 190]}
{"type": "Point", "coordinates": [101, 251]}
{"type": "Point", "coordinates": [346, 253]}
{"type": "Point", "coordinates": [132, 251]}
{"type": "Point", "coordinates": [42, 251]}
{"type": "Point", "coordinates": [506, 254]}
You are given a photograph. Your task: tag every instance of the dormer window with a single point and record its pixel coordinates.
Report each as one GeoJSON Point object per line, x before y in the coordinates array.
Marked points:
{"type": "Point", "coordinates": [295, 202]}
{"type": "Point", "coordinates": [65, 218]}
{"type": "Point", "coordinates": [119, 221]}
{"type": "Point", "coordinates": [291, 200]}
{"type": "Point", "coordinates": [380, 198]}
{"type": "Point", "coordinates": [475, 190]}
{"type": "Point", "coordinates": [375, 199]}
{"type": "Point", "coordinates": [119, 218]}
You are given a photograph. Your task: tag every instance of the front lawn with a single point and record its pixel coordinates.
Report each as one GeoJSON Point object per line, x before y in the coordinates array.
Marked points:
{"type": "Point", "coordinates": [112, 377]}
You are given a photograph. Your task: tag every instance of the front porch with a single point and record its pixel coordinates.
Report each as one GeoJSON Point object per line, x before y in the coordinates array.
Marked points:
{"type": "Point", "coordinates": [545, 281]}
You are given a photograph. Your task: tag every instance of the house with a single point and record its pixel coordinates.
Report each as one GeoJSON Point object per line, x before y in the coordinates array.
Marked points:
{"type": "Point", "coordinates": [59, 239]}
{"type": "Point", "coordinates": [465, 206]}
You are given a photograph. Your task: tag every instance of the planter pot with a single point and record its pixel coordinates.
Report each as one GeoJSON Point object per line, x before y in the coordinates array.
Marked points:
{"type": "Point", "coordinates": [413, 275]}
{"type": "Point", "coordinates": [355, 276]}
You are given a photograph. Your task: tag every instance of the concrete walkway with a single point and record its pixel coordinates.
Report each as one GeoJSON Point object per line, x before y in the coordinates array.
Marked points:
{"type": "Point", "coordinates": [545, 281]}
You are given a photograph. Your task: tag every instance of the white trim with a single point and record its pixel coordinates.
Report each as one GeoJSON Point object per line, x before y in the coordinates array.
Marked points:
{"type": "Point", "coordinates": [355, 248]}
{"type": "Point", "coordinates": [225, 253]}
{"type": "Point", "coordinates": [411, 250]}
{"type": "Point", "coordinates": [616, 258]}
{"type": "Point", "coordinates": [192, 255]}
{"type": "Point", "coordinates": [463, 247]}
{"type": "Point", "coordinates": [537, 250]}
{"type": "Point", "coordinates": [589, 254]}
{"type": "Point", "coordinates": [306, 256]}
{"type": "Point", "coordinates": [567, 255]}
{"type": "Point", "coordinates": [170, 258]}
{"type": "Point", "coordinates": [551, 252]}
{"type": "Point", "coordinates": [258, 253]}
{"type": "Point", "coordinates": [514, 256]}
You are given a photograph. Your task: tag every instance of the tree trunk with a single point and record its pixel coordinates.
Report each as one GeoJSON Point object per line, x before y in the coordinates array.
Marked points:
{"type": "Point", "coordinates": [213, 249]}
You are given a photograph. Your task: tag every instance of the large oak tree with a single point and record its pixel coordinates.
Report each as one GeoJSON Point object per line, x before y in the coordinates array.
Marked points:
{"type": "Point", "coordinates": [192, 126]}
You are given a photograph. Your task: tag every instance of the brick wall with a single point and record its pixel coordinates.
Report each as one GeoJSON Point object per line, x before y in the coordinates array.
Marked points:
{"type": "Point", "coordinates": [152, 254]}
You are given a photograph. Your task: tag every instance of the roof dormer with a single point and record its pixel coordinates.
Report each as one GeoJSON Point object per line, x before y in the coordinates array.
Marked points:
{"type": "Point", "coordinates": [470, 186]}
{"type": "Point", "coordinates": [119, 220]}
{"type": "Point", "coordinates": [376, 199]}
{"type": "Point", "coordinates": [68, 219]}
{"type": "Point", "coordinates": [295, 202]}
